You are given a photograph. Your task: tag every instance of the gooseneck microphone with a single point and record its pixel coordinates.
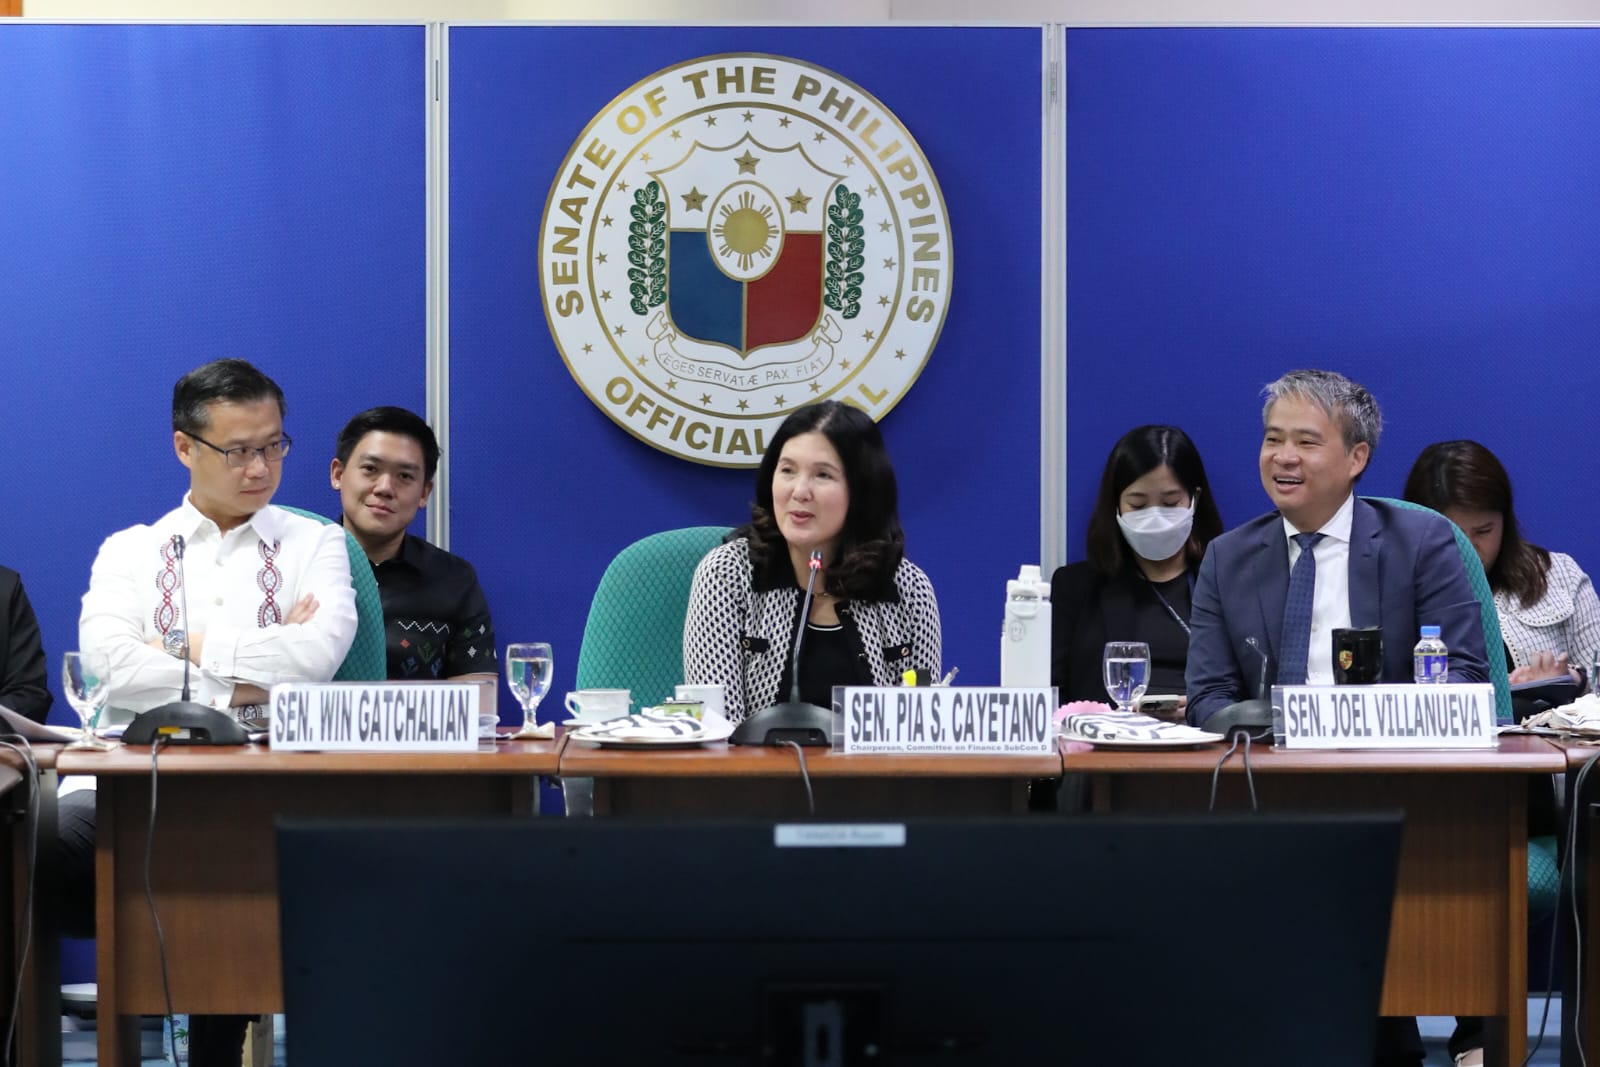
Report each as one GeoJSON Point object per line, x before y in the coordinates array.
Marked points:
{"type": "Point", "coordinates": [814, 564]}
{"type": "Point", "coordinates": [1261, 683]}
{"type": "Point", "coordinates": [178, 545]}
{"type": "Point", "coordinates": [794, 721]}
{"type": "Point", "coordinates": [182, 721]}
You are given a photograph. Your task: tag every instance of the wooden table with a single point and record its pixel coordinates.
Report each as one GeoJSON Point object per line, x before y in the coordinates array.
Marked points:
{"type": "Point", "coordinates": [743, 780]}
{"type": "Point", "coordinates": [1458, 938]}
{"type": "Point", "coordinates": [214, 867]}
{"type": "Point", "coordinates": [39, 1015]}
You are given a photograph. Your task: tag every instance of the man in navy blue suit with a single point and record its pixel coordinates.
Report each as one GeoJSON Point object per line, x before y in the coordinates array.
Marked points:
{"type": "Point", "coordinates": [1373, 564]}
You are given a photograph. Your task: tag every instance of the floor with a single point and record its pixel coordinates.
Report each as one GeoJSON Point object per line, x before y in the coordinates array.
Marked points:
{"type": "Point", "coordinates": [78, 1045]}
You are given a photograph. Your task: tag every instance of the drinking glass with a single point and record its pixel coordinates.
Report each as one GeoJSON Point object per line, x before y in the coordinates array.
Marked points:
{"type": "Point", "coordinates": [84, 677]}
{"type": "Point", "coordinates": [528, 674]}
{"type": "Point", "coordinates": [1127, 669]}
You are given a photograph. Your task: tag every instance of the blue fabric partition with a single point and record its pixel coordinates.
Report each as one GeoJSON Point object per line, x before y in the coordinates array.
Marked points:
{"type": "Point", "coordinates": [1414, 207]}
{"type": "Point", "coordinates": [545, 489]}
{"type": "Point", "coordinates": [172, 194]}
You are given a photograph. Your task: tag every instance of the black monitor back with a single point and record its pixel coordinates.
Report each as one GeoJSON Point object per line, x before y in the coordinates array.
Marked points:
{"type": "Point", "coordinates": [1238, 940]}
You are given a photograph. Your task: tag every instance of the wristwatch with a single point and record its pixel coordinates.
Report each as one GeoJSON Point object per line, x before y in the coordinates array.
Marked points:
{"type": "Point", "coordinates": [172, 643]}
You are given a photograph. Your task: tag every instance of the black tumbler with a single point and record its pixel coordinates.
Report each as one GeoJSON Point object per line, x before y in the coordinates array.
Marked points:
{"type": "Point", "coordinates": [1357, 655]}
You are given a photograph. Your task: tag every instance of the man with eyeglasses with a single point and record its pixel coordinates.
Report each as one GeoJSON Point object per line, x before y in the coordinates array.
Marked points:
{"type": "Point", "coordinates": [268, 599]}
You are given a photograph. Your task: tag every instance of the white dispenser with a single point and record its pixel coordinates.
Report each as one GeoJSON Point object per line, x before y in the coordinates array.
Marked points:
{"type": "Point", "coordinates": [1025, 641]}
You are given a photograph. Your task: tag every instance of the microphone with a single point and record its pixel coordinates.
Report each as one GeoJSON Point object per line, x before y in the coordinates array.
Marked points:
{"type": "Point", "coordinates": [182, 721]}
{"type": "Point", "coordinates": [793, 721]}
{"type": "Point", "coordinates": [1261, 686]}
{"type": "Point", "coordinates": [814, 564]}
{"type": "Point", "coordinates": [178, 545]}
{"type": "Point", "coordinates": [1252, 717]}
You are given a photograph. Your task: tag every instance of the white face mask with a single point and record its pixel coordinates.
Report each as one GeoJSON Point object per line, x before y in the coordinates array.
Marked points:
{"type": "Point", "coordinates": [1157, 533]}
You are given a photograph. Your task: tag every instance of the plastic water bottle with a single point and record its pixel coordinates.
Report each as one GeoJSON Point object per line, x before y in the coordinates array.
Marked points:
{"type": "Point", "coordinates": [1025, 641]}
{"type": "Point", "coordinates": [1430, 660]}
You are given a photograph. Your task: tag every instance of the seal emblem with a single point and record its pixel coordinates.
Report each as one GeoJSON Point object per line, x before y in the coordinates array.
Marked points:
{"type": "Point", "coordinates": [737, 236]}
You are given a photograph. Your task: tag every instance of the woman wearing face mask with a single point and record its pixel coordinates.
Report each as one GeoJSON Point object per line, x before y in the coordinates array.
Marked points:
{"type": "Point", "coordinates": [1152, 521]}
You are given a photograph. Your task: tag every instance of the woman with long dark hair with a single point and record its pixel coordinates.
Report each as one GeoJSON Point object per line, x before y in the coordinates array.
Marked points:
{"type": "Point", "coordinates": [1152, 520]}
{"type": "Point", "coordinates": [1549, 614]}
{"type": "Point", "coordinates": [824, 485]}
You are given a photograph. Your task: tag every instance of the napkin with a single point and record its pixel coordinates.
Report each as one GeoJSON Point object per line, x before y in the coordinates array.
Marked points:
{"type": "Point", "coordinates": [542, 732]}
{"type": "Point", "coordinates": [1580, 718]}
{"type": "Point", "coordinates": [648, 727]}
{"type": "Point", "coordinates": [1100, 723]}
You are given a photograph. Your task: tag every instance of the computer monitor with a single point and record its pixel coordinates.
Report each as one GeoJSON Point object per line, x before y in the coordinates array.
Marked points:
{"type": "Point", "coordinates": [1256, 940]}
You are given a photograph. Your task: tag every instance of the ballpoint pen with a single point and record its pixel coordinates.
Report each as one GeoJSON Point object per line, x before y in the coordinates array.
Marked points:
{"type": "Point", "coordinates": [946, 679]}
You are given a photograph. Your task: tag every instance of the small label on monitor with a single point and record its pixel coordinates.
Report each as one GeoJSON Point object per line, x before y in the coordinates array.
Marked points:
{"type": "Point", "coordinates": [839, 835]}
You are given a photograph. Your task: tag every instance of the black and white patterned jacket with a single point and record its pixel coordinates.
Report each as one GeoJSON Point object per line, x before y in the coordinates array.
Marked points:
{"type": "Point", "coordinates": [739, 636]}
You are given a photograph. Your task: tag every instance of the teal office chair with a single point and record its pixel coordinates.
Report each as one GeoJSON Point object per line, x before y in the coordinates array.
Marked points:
{"type": "Point", "coordinates": [368, 658]}
{"type": "Point", "coordinates": [634, 637]}
{"type": "Point", "coordinates": [1543, 873]}
{"type": "Point", "coordinates": [1493, 643]}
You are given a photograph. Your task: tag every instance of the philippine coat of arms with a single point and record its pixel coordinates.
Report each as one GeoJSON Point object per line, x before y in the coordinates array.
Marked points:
{"type": "Point", "coordinates": [738, 236]}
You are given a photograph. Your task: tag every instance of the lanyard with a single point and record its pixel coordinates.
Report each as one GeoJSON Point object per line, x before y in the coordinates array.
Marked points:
{"type": "Point", "coordinates": [1168, 604]}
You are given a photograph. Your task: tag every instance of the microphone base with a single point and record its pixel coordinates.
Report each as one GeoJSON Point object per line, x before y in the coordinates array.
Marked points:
{"type": "Point", "coordinates": [803, 724]}
{"type": "Point", "coordinates": [183, 722]}
{"type": "Point", "coordinates": [1253, 717]}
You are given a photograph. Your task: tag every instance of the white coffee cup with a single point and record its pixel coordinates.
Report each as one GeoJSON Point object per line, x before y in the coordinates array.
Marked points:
{"type": "Point", "coordinates": [598, 705]}
{"type": "Point", "coordinates": [711, 696]}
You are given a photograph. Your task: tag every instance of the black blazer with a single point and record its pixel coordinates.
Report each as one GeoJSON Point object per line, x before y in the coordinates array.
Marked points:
{"type": "Point", "coordinates": [23, 672]}
{"type": "Point", "coordinates": [1087, 608]}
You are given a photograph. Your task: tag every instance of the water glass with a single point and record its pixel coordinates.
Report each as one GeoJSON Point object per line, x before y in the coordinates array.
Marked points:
{"type": "Point", "coordinates": [528, 667]}
{"type": "Point", "coordinates": [1127, 672]}
{"type": "Point", "coordinates": [84, 677]}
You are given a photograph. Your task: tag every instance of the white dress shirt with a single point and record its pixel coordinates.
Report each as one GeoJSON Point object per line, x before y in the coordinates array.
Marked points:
{"type": "Point", "coordinates": [1330, 599]}
{"type": "Point", "coordinates": [241, 585]}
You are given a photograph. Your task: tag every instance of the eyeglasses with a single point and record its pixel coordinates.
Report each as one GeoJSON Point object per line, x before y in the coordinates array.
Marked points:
{"type": "Point", "coordinates": [241, 457]}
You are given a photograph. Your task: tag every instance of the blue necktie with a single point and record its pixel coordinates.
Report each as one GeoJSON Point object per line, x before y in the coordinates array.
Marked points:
{"type": "Point", "coordinates": [1297, 613]}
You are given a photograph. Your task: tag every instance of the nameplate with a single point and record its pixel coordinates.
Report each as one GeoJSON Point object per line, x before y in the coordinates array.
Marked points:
{"type": "Point", "coordinates": [374, 717]}
{"type": "Point", "coordinates": [1384, 716]}
{"type": "Point", "coordinates": [995, 721]}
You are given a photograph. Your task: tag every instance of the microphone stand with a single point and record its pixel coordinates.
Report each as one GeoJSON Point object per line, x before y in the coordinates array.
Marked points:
{"type": "Point", "coordinates": [793, 720]}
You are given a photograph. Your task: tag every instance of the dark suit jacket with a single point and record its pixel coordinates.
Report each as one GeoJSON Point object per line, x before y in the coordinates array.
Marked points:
{"type": "Point", "coordinates": [1087, 607]}
{"type": "Point", "coordinates": [23, 672]}
{"type": "Point", "coordinates": [1405, 572]}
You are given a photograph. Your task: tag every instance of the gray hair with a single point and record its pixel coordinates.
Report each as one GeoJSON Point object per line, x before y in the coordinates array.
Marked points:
{"type": "Point", "coordinates": [1345, 402]}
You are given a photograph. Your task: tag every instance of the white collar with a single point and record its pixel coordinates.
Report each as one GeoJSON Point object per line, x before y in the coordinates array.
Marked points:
{"type": "Point", "coordinates": [1337, 527]}
{"type": "Point", "coordinates": [188, 521]}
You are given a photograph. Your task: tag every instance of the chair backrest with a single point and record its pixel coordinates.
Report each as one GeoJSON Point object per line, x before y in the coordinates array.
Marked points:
{"type": "Point", "coordinates": [367, 660]}
{"type": "Point", "coordinates": [1493, 642]}
{"type": "Point", "coordinates": [634, 637]}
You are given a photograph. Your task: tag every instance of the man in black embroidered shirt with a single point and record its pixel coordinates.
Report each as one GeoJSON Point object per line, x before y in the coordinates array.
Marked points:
{"type": "Point", "coordinates": [435, 616]}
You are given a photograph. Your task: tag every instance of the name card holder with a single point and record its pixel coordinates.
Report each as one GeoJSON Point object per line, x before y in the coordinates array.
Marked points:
{"type": "Point", "coordinates": [374, 716]}
{"type": "Point", "coordinates": [993, 720]}
{"type": "Point", "coordinates": [1384, 716]}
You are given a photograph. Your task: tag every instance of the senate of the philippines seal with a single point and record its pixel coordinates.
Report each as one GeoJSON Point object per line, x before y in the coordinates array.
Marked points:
{"type": "Point", "coordinates": [737, 236]}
